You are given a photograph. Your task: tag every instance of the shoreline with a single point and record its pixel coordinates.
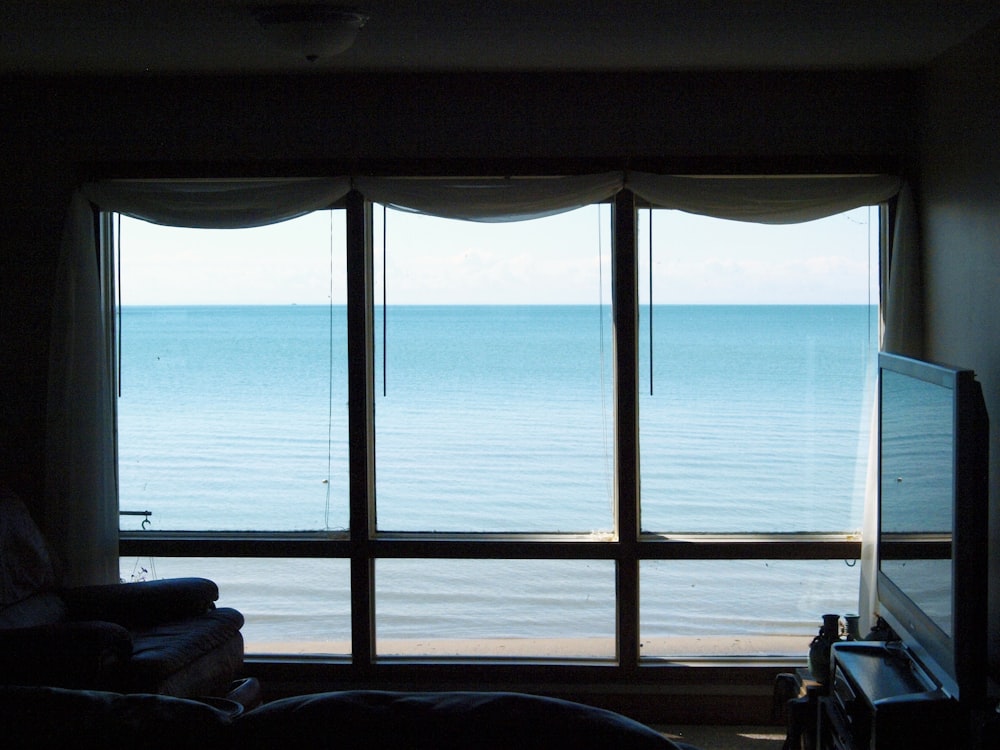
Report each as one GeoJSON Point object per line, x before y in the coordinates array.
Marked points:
{"type": "Point", "coordinates": [675, 647]}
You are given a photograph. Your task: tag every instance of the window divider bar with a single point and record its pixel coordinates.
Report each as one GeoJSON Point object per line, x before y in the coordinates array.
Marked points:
{"type": "Point", "coordinates": [650, 547]}
{"type": "Point", "coordinates": [625, 283]}
{"type": "Point", "coordinates": [625, 300]}
{"type": "Point", "coordinates": [361, 427]}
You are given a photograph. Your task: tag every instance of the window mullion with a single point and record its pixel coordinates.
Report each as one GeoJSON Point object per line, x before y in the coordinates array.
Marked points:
{"type": "Point", "coordinates": [361, 418]}
{"type": "Point", "coordinates": [625, 283]}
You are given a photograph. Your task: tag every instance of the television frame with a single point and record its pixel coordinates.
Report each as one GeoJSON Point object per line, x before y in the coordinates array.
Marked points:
{"type": "Point", "coordinates": [958, 661]}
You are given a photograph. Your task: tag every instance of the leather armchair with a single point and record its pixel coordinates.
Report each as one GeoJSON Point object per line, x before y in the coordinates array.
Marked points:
{"type": "Point", "coordinates": [163, 636]}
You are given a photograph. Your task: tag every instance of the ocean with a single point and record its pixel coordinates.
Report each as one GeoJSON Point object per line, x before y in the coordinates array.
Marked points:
{"type": "Point", "coordinates": [501, 418]}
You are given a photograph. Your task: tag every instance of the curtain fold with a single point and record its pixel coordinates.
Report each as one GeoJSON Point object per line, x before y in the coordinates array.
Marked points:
{"type": "Point", "coordinates": [81, 503]}
{"type": "Point", "coordinates": [217, 204]}
{"type": "Point", "coordinates": [904, 297]}
{"type": "Point", "coordinates": [902, 312]}
{"type": "Point", "coordinates": [490, 200]}
{"type": "Point", "coordinates": [764, 200]}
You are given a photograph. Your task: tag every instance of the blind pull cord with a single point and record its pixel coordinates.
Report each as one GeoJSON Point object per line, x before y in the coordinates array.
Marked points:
{"type": "Point", "coordinates": [118, 284]}
{"type": "Point", "coordinates": [329, 416]}
{"type": "Point", "coordinates": [600, 329]}
{"type": "Point", "coordinates": [385, 276]}
{"type": "Point", "coordinates": [650, 300]}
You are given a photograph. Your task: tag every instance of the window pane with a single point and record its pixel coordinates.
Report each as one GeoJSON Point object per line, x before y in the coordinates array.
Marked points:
{"type": "Point", "coordinates": [516, 608]}
{"type": "Point", "coordinates": [291, 606]}
{"type": "Point", "coordinates": [496, 413]}
{"type": "Point", "coordinates": [764, 346]}
{"type": "Point", "coordinates": [740, 607]}
{"type": "Point", "coordinates": [233, 406]}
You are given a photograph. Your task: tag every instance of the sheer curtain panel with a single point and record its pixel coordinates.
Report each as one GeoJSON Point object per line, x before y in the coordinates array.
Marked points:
{"type": "Point", "coordinates": [81, 486]}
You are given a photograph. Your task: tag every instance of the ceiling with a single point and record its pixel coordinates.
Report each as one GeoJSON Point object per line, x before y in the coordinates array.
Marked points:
{"type": "Point", "coordinates": [173, 36]}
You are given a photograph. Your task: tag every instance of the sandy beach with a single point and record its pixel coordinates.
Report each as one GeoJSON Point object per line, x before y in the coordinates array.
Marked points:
{"type": "Point", "coordinates": [676, 647]}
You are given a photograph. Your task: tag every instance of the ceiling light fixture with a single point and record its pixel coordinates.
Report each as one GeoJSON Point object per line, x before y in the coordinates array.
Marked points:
{"type": "Point", "coordinates": [311, 30]}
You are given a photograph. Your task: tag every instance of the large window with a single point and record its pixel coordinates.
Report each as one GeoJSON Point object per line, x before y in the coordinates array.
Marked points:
{"type": "Point", "coordinates": [754, 415]}
{"type": "Point", "coordinates": [232, 409]}
{"type": "Point", "coordinates": [757, 379]}
{"type": "Point", "coordinates": [391, 435]}
{"type": "Point", "coordinates": [494, 409]}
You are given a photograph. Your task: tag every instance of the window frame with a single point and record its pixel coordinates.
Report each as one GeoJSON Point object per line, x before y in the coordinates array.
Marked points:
{"type": "Point", "coordinates": [363, 544]}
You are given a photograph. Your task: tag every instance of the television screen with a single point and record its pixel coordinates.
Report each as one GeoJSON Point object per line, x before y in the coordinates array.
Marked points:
{"type": "Point", "coordinates": [933, 501]}
{"type": "Point", "coordinates": [916, 490]}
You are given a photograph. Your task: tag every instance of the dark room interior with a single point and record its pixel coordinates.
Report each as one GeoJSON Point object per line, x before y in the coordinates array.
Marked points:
{"type": "Point", "coordinates": [124, 92]}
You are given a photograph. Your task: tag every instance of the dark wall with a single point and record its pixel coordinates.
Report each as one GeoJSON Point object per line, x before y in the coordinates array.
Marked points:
{"type": "Point", "coordinates": [55, 132]}
{"type": "Point", "coordinates": [960, 197]}
{"type": "Point", "coordinates": [262, 121]}
{"type": "Point", "coordinates": [35, 197]}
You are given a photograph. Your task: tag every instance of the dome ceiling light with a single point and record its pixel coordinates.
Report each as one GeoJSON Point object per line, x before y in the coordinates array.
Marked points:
{"type": "Point", "coordinates": [312, 31]}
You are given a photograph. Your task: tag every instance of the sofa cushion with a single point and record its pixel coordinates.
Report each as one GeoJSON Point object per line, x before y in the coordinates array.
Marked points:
{"type": "Point", "coordinates": [54, 717]}
{"type": "Point", "coordinates": [379, 720]}
{"type": "Point", "coordinates": [43, 608]}
{"type": "Point", "coordinates": [160, 651]}
{"type": "Point", "coordinates": [26, 565]}
{"type": "Point", "coordinates": [373, 720]}
{"type": "Point", "coordinates": [68, 654]}
{"type": "Point", "coordinates": [140, 604]}
{"type": "Point", "coordinates": [210, 675]}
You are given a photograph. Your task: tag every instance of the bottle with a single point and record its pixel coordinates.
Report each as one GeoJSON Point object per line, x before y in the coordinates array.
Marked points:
{"type": "Point", "coordinates": [819, 649]}
{"type": "Point", "coordinates": [851, 627]}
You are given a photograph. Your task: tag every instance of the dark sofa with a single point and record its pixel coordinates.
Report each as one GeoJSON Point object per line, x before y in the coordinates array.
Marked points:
{"type": "Point", "coordinates": [351, 720]}
{"type": "Point", "coordinates": [164, 636]}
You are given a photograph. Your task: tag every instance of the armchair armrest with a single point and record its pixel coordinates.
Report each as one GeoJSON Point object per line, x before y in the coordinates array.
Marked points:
{"type": "Point", "coordinates": [66, 654]}
{"type": "Point", "coordinates": [143, 603]}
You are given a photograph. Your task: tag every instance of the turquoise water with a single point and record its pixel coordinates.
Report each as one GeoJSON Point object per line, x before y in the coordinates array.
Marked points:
{"type": "Point", "coordinates": [501, 419]}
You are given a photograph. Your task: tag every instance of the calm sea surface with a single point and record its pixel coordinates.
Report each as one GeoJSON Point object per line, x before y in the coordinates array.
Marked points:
{"type": "Point", "coordinates": [501, 418]}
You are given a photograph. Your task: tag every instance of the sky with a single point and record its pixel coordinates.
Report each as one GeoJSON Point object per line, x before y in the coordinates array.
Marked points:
{"type": "Point", "coordinates": [564, 259]}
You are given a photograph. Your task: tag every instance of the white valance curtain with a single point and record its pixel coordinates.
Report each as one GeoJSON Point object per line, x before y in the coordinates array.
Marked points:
{"type": "Point", "coordinates": [490, 200]}
{"type": "Point", "coordinates": [763, 200]}
{"type": "Point", "coordinates": [216, 204]}
{"type": "Point", "coordinates": [81, 485]}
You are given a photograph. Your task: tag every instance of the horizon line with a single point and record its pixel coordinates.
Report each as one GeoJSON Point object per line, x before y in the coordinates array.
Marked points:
{"type": "Point", "coordinates": [500, 304]}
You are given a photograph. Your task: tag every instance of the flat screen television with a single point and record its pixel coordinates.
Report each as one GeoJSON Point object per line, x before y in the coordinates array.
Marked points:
{"type": "Point", "coordinates": [933, 512]}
